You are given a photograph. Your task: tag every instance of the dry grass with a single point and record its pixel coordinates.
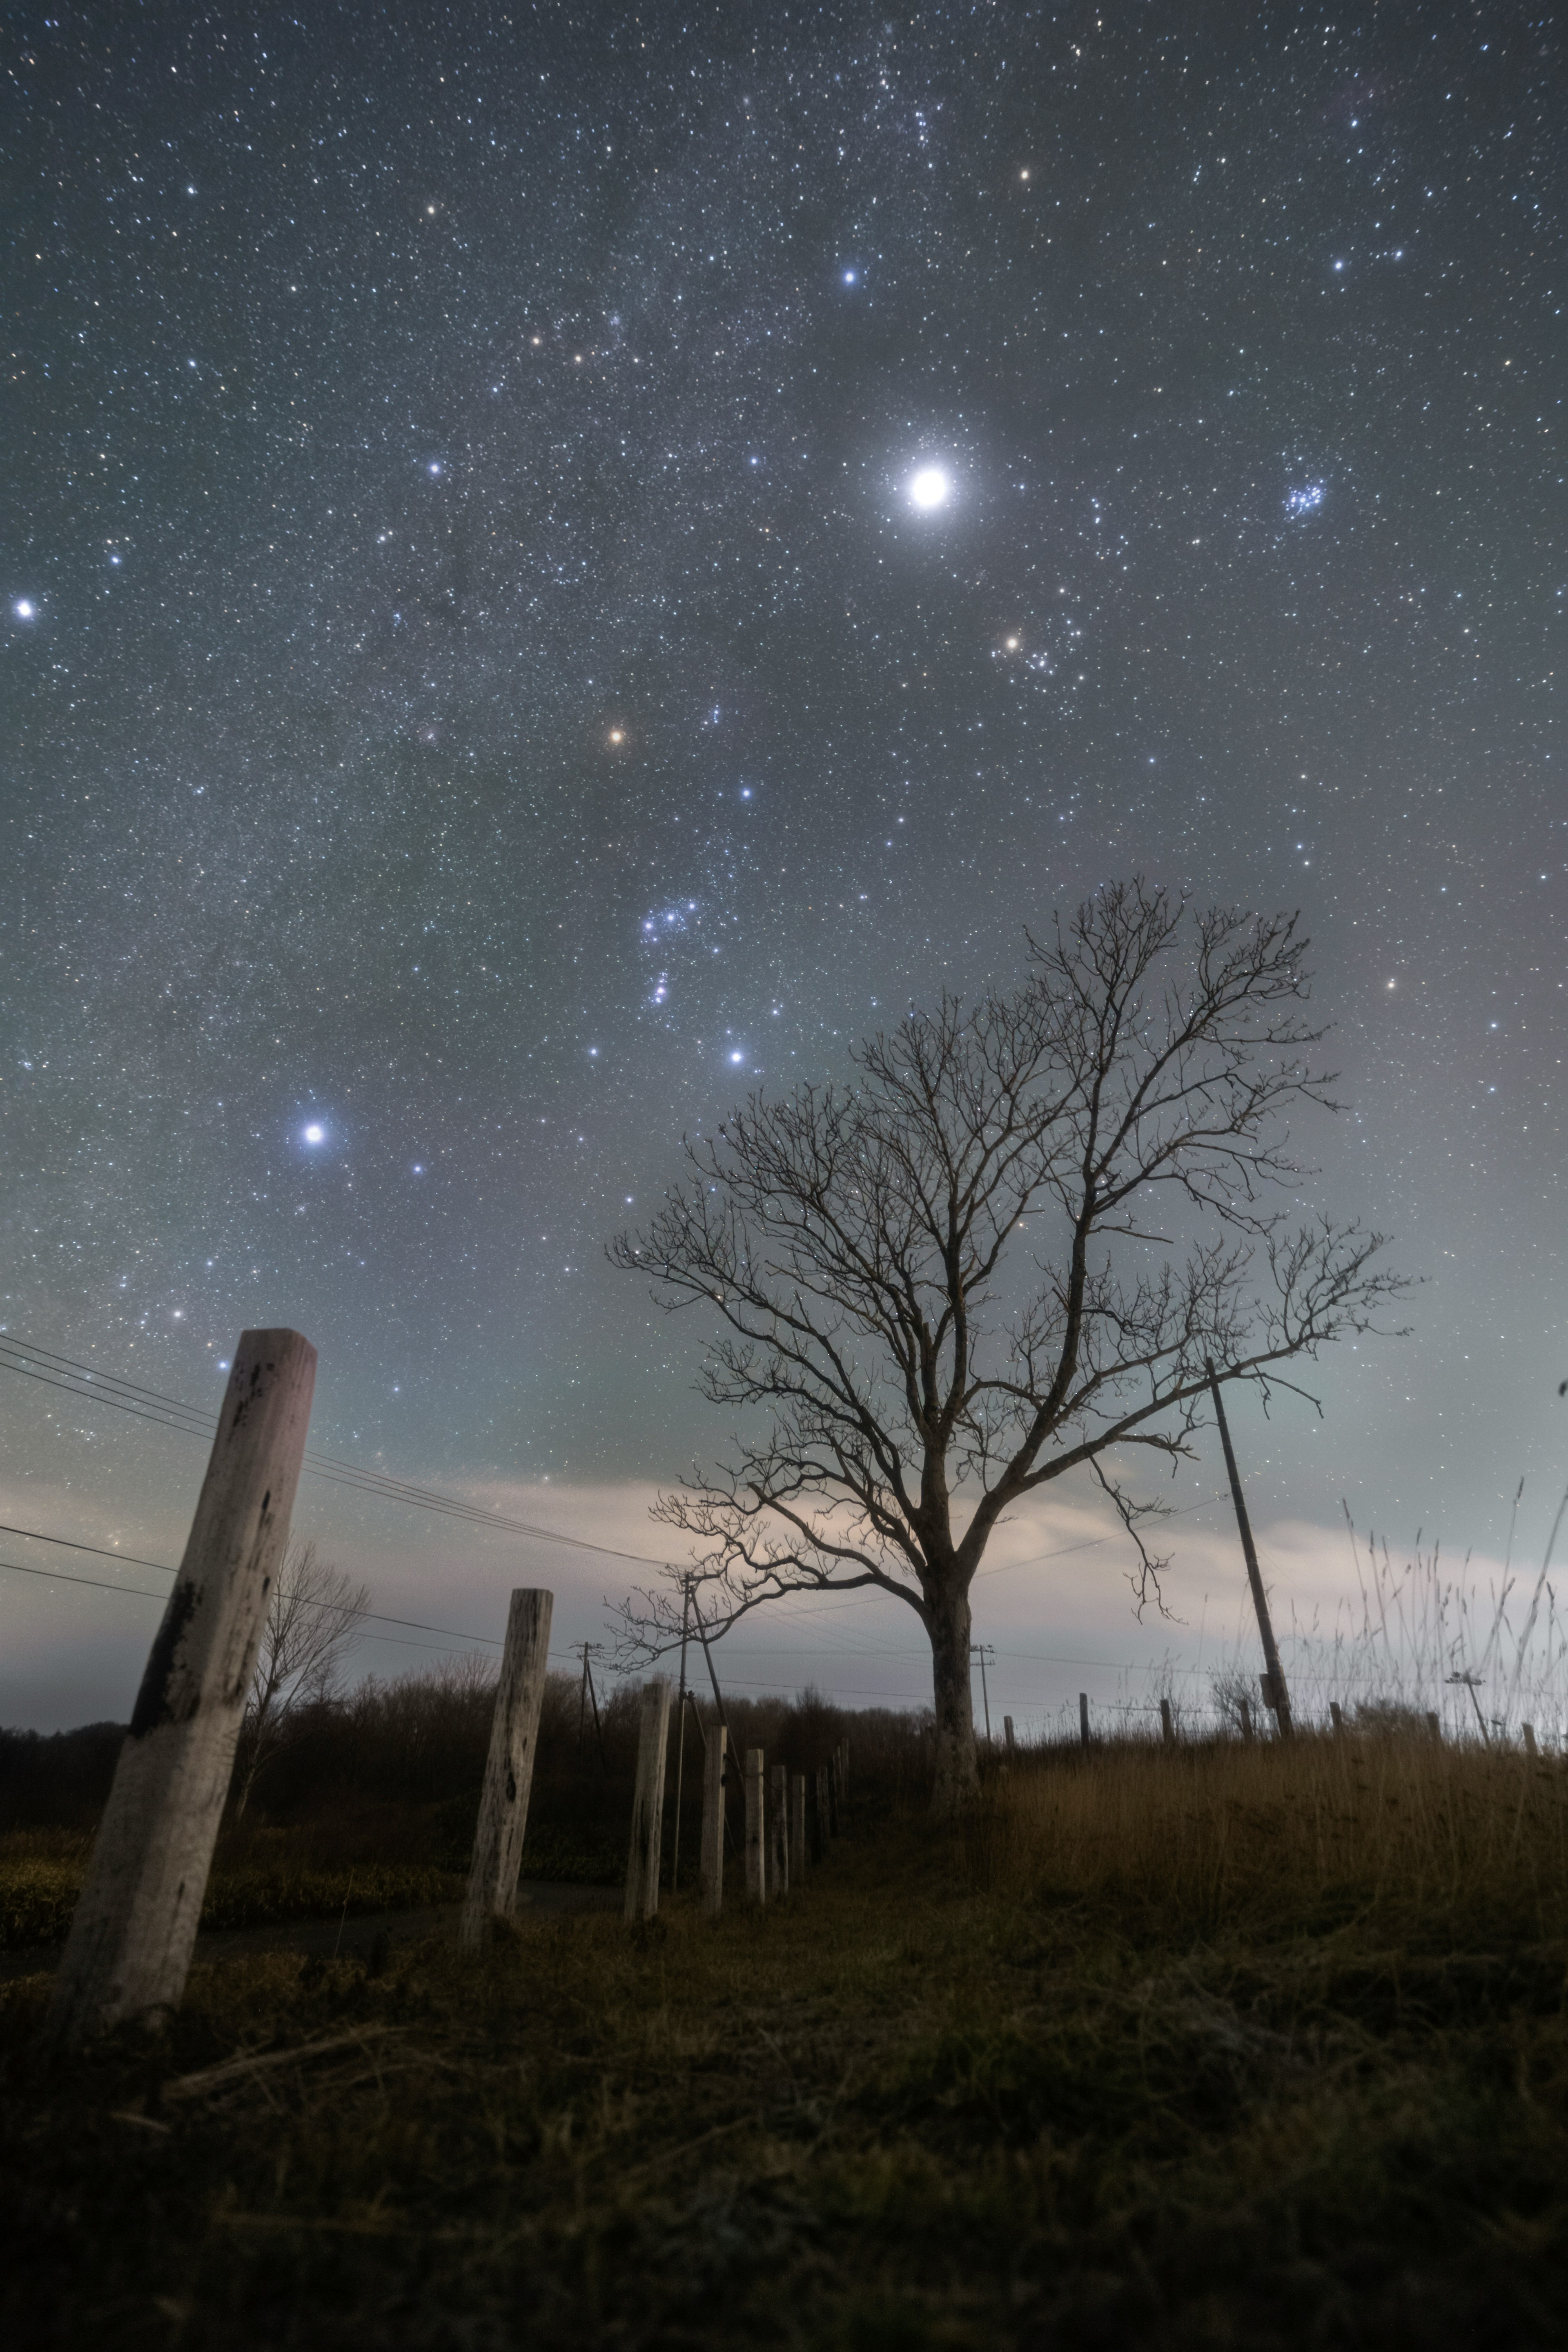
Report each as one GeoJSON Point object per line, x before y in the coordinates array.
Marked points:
{"type": "Point", "coordinates": [1400, 1831]}
{"type": "Point", "coordinates": [1252, 2048]}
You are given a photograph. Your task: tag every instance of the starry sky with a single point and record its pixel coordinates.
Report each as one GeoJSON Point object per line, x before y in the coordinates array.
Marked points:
{"type": "Point", "coordinates": [561, 563]}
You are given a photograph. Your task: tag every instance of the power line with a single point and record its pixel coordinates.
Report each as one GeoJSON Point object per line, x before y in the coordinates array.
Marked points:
{"type": "Point", "coordinates": [83, 1381]}
{"type": "Point", "coordinates": [362, 1616]}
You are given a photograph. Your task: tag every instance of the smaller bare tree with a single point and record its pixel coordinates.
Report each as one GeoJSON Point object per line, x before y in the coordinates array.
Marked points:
{"type": "Point", "coordinates": [311, 1620]}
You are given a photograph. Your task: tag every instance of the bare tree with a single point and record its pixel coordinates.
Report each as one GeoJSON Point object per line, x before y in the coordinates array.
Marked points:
{"type": "Point", "coordinates": [311, 1620]}
{"type": "Point", "coordinates": [1002, 1250]}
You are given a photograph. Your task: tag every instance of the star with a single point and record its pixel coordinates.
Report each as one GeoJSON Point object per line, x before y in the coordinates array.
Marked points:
{"type": "Point", "coordinates": [929, 488]}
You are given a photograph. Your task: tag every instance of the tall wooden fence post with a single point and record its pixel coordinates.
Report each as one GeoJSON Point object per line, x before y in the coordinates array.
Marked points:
{"type": "Point", "coordinates": [1007, 1736]}
{"type": "Point", "coordinates": [1336, 1715]}
{"type": "Point", "coordinates": [780, 1827]}
{"type": "Point", "coordinates": [713, 1819]}
{"type": "Point", "coordinates": [798, 1830]}
{"type": "Point", "coordinates": [1530, 1747]}
{"type": "Point", "coordinates": [756, 1846]}
{"type": "Point", "coordinates": [1084, 1718]}
{"type": "Point", "coordinates": [648, 1804]}
{"type": "Point", "coordinates": [1244, 1708]}
{"type": "Point", "coordinates": [509, 1769]}
{"type": "Point", "coordinates": [1167, 1724]}
{"type": "Point", "coordinates": [134, 1927]}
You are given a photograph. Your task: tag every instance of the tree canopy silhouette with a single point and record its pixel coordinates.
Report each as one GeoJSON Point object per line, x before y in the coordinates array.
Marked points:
{"type": "Point", "coordinates": [999, 1254]}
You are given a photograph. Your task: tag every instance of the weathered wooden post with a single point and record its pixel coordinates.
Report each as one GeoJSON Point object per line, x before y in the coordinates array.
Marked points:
{"type": "Point", "coordinates": [1435, 1727]}
{"type": "Point", "coordinates": [1530, 1747]}
{"type": "Point", "coordinates": [780, 1827]}
{"type": "Point", "coordinates": [1336, 1715]}
{"type": "Point", "coordinates": [712, 1861]}
{"type": "Point", "coordinates": [1246, 1712]}
{"type": "Point", "coordinates": [1084, 1718]}
{"type": "Point", "coordinates": [1007, 1736]}
{"type": "Point", "coordinates": [755, 1827]}
{"type": "Point", "coordinates": [798, 1830]}
{"type": "Point", "coordinates": [1167, 1724]}
{"type": "Point", "coordinates": [134, 1927]}
{"type": "Point", "coordinates": [510, 1767]}
{"type": "Point", "coordinates": [648, 1804]}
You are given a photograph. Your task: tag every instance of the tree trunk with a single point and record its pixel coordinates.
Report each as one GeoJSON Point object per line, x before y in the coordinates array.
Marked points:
{"type": "Point", "coordinates": [957, 1781]}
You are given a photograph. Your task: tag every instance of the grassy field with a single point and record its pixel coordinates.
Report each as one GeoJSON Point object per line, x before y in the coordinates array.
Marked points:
{"type": "Point", "coordinates": [1234, 2046]}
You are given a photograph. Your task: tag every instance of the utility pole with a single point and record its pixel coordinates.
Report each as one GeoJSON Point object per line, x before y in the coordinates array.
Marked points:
{"type": "Point", "coordinates": [681, 1739]}
{"type": "Point", "coordinates": [592, 1696]}
{"type": "Point", "coordinates": [1277, 1696]}
{"type": "Point", "coordinates": [978, 1650]}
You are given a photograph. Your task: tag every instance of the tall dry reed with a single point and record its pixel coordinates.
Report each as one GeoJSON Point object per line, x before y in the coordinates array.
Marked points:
{"type": "Point", "coordinates": [1422, 1839]}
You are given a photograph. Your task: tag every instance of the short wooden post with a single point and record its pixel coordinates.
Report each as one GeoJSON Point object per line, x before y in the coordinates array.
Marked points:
{"type": "Point", "coordinates": [1012, 1746]}
{"type": "Point", "coordinates": [1084, 1718]}
{"type": "Point", "coordinates": [824, 1816]}
{"type": "Point", "coordinates": [1435, 1727]}
{"type": "Point", "coordinates": [1168, 1723]}
{"type": "Point", "coordinates": [755, 1827]}
{"type": "Point", "coordinates": [779, 1829]}
{"type": "Point", "coordinates": [1530, 1747]}
{"type": "Point", "coordinates": [798, 1830]}
{"type": "Point", "coordinates": [134, 1927]}
{"type": "Point", "coordinates": [713, 1819]}
{"type": "Point", "coordinates": [648, 1804]}
{"type": "Point", "coordinates": [1246, 1712]}
{"type": "Point", "coordinates": [1336, 1715]}
{"type": "Point", "coordinates": [509, 1769]}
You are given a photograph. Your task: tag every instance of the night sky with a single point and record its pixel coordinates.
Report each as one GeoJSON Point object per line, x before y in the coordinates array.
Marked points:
{"type": "Point", "coordinates": [558, 566]}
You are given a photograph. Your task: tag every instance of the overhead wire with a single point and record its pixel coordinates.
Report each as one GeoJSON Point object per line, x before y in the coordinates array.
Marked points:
{"type": "Point", "coordinates": [83, 1381]}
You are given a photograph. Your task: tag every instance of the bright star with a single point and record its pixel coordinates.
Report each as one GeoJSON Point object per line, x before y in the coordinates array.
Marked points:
{"type": "Point", "coordinates": [314, 1134]}
{"type": "Point", "coordinates": [738, 1058]}
{"type": "Point", "coordinates": [849, 278]}
{"type": "Point", "coordinates": [24, 610]}
{"type": "Point", "coordinates": [930, 489]}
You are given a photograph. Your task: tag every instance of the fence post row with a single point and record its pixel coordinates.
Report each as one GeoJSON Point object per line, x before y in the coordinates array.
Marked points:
{"type": "Point", "coordinates": [134, 1927]}
{"type": "Point", "coordinates": [712, 1860]}
{"type": "Point", "coordinates": [756, 1842]}
{"type": "Point", "coordinates": [648, 1804]}
{"type": "Point", "coordinates": [779, 1829]}
{"type": "Point", "coordinates": [510, 1767]}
